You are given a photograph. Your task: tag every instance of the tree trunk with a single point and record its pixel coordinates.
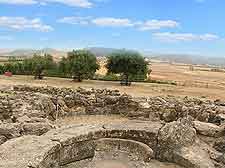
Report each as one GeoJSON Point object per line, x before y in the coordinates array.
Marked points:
{"type": "Point", "coordinates": [74, 78]}
{"type": "Point", "coordinates": [127, 79]}
{"type": "Point", "coordinates": [39, 76]}
{"type": "Point", "coordinates": [79, 78]}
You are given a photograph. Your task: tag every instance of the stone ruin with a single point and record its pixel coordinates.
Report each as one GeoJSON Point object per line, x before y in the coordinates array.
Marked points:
{"type": "Point", "coordinates": [186, 132]}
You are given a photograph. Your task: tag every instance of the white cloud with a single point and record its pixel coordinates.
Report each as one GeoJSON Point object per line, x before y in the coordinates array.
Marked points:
{"type": "Point", "coordinates": [120, 22]}
{"type": "Point", "coordinates": [158, 24]}
{"type": "Point", "coordinates": [21, 23]}
{"type": "Point", "coordinates": [209, 37]}
{"type": "Point", "coordinates": [6, 38]}
{"type": "Point", "coordinates": [75, 20]}
{"type": "Point", "coordinates": [19, 2]}
{"type": "Point", "coordinates": [113, 22]}
{"type": "Point", "coordinates": [173, 37]}
{"type": "Point", "coordinates": [75, 3]}
{"type": "Point", "coordinates": [102, 21]}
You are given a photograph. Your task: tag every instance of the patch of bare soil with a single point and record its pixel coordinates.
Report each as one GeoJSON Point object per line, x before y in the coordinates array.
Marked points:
{"type": "Point", "coordinates": [93, 119]}
{"type": "Point", "coordinates": [118, 159]}
{"type": "Point", "coordinates": [212, 91]}
{"type": "Point", "coordinates": [119, 164]}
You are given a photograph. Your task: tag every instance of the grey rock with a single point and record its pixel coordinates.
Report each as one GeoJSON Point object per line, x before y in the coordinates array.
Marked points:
{"type": "Point", "coordinates": [36, 128]}
{"type": "Point", "coordinates": [219, 145]}
{"type": "Point", "coordinates": [209, 129]}
{"type": "Point", "coordinates": [178, 142]}
{"type": "Point", "coordinates": [23, 119]}
{"type": "Point", "coordinates": [11, 130]}
{"type": "Point", "coordinates": [2, 139]}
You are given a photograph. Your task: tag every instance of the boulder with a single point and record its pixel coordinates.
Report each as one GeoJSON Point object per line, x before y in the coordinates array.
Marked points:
{"type": "Point", "coordinates": [173, 136]}
{"type": "Point", "coordinates": [219, 102]}
{"type": "Point", "coordinates": [23, 119]}
{"type": "Point", "coordinates": [193, 156]}
{"type": "Point", "coordinates": [144, 105]}
{"type": "Point", "coordinates": [216, 156]}
{"type": "Point", "coordinates": [221, 118]}
{"type": "Point", "coordinates": [10, 130]}
{"type": "Point", "coordinates": [208, 129]}
{"type": "Point", "coordinates": [110, 100]}
{"type": "Point", "coordinates": [69, 100]}
{"type": "Point", "coordinates": [2, 139]}
{"type": "Point", "coordinates": [37, 119]}
{"type": "Point", "coordinates": [178, 143]}
{"type": "Point", "coordinates": [219, 145]}
{"type": "Point", "coordinates": [36, 114]}
{"type": "Point", "coordinates": [169, 115]}
{"type": "Point", "coordinates": [77, 111]}
{"type": "Point", "coordinates": [36, 128]}
{"type": "Point", "coordinates": [47, 106]}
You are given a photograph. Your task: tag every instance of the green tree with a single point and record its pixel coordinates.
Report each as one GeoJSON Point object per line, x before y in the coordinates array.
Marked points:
{"type": "Point", "coordinates": [128, 64]}
{"type": "Point", "coordinates": [19, 68]}
{"type": "Point", "coordinates": [63, 66]}
{"type": "Point", "coordinates": [37, 64]}
{"type": "Point", "coordinates": [2, 69]}
{"type": "Point", "coordinates": [9, 67]}
{"type": "Point", "coordinates": [12, 59]}
{"type": "Point", "coordinates": [81, 64]}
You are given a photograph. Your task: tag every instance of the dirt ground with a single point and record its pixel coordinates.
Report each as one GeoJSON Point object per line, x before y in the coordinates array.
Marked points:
{"type": "Point", "coordinates": [100, 119]}
{"type": "Point", "coordinates": [197, 83]}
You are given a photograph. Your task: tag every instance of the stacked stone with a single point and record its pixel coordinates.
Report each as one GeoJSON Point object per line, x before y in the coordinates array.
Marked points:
{"type": "Point", "coordinates": [104, 101]}
{"type": "Point", "coordinates": [5, 108]}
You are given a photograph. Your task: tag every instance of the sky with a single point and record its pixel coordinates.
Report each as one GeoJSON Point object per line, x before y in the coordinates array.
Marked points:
{"type": "Point", "coordinates": [158, 26]}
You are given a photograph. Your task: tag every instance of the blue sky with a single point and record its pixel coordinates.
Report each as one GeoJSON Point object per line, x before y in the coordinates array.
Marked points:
{"type": "Point", "coordinates": [160, 26]}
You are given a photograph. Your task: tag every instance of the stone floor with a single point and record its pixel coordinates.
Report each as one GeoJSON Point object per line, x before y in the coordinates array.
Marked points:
{"type": "Point", "coordinates": [117, 160]}
{"type": "Point", "coordinates": [120, 164]}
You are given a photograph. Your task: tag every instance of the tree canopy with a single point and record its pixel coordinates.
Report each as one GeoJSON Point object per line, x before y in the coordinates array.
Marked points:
{"type": "Point", "coordinates": [128, 64]}
{"type": "Point", "coordinates": [37, 64]}
{"type": "Point", "coordinates": [80, 64]}
{"type": "Point", "coordinates": [34, 65]}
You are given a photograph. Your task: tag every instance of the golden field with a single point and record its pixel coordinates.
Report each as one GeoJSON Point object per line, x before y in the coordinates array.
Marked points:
{"type": "Point", "coordinates": [198, 83]}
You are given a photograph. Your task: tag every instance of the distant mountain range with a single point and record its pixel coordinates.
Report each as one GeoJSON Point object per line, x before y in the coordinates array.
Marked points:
{"type": "Point", "coordinates": [57, 54]}
{"type": "Point", "coordinates": [177, 58]}
{"type": "Point", "coordinates": [102, 52]}
{"type": "Point", "coordinates": [98, 51]}
{"type": "Point", "coordinates": [190, 59]}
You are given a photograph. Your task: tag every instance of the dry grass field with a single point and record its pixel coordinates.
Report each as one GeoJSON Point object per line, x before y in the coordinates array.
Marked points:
{"type": "Point", "coordinates": [197, 83]}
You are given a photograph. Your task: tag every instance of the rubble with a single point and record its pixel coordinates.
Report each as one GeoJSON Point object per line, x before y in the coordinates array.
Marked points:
{"type": "Point", "coordinates": [183, 130]}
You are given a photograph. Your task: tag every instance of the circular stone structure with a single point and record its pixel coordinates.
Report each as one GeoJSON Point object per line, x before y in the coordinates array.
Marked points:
{"type": "Point", "coordinates": [126, 145]}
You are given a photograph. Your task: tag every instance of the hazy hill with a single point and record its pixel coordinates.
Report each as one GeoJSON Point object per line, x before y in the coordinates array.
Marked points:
{"type": "Point", "coordinates": [57, 54]}
{"type": "Point", "coordinates": [102, 52]}
{"type": "Point", "coordinates": [190, 59]}
{"type": "Point", "coordinates": [98, 51]}
{"type": "Point", "coordinates": [4, 51]}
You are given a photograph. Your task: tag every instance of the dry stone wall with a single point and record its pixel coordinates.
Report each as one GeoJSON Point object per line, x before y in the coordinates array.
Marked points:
{"type": "Point", "coordinates": [74, 143]}
{"type": "Point", "coordinates": [187, 131]}
{"type": "Point", "coordinates": [176, 142]}
{"type": "Point", "coordinates": [30, 110]}
{"type": "Point", "coordinates": [58, 102]}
